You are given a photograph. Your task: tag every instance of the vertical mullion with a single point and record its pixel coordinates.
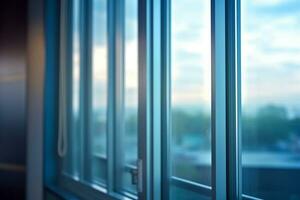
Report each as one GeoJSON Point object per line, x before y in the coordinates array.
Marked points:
{"type": "Point", "coordinates": [86, 86]}
{"type": "Point", "coordinates": [238, 98]}
{"type": "Point", "coordinates": [157, 99]}
{"type": "Point", "coordinates": [119, 93]}
{"type": "Point", "coordinates": [80, 112]}
{"type": "Point", "coordinates": [53, 93]}
{"type": "Point", "coordinates": [219, 183]}
{"type": "Point", "coordinates": [66, 62]}
{"type": "Point", "coordinates": [111, 95]}
{"type": "Point", "coordinates": [144, 99]}
{"type": "Point", "coordinates": [166, 94]}
{"type": "Point", "coordinates": [89, 86]}
{"type": "Point", "coordinates": [81, 89]}
{"type": "Point", "coordinates": [233, 100]}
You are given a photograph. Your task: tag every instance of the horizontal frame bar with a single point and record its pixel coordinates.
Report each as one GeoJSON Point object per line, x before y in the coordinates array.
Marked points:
{"type": "Point", "coordinates": [248, 197]}
{"type": "Point", "coordinates": [192, 186]}
{"type": "Point", "coordinates": [89, 191]}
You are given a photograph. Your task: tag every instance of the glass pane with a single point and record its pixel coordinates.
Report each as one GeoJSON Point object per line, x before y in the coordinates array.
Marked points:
{"type": "Point", "coordinates": [72, 160]}
{"type": "Point", "coordinates": [190, 92]}
{"type": "Point", "coordinates": [130, 94]}
{"type": "Point", "coordinates": [181, 193]}
{"type": "Point", "coordinates": [99, 92]}
{"type": "Point", "coordinates": [270, 98]}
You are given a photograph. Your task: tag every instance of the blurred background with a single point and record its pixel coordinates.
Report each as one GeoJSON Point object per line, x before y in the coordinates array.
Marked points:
{"type": "Point", "coordinates": [13, 22]}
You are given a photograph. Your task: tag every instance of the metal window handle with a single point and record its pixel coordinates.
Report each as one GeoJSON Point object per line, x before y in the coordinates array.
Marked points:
{"type": "Point", "coordinates": [137, 176]}
{"type": "Point", "coordinates": [134, 176]}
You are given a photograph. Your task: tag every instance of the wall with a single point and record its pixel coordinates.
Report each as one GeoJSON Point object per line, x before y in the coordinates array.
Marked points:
{"type": "Point", "coordinates": [13, 21]}
{"type": "Point", "coordinates": [35, 99]}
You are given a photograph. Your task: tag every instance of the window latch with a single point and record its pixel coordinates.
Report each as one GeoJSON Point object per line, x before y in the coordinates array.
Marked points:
{"type": "Point", "coordinates": [137, 176]}
{"type": "Point", "coordinates": [134, 176]}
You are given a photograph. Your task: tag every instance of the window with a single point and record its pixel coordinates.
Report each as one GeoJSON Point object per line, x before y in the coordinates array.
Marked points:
{"type": "Point", "coordinates": [130, 94]}
{"type": "Point", "coordinates": [72, 161]}
{"type": "Point", "coordinates": [99, 97]}
{"type": "Point", "coordinates": [85, 94]}
{"type": "Point", "coordinates": [172, 99]}
{"type": "Point", "coordinates": [126, 143]}
{"type": "Point", "coordinates": [190, 95]}
{"type": "Point", "coordinates": [270, 98]}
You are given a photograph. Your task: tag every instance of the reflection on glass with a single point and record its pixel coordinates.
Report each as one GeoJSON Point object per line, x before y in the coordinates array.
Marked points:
{"type": "Point", "coordinates": [72, 160]}
{"type": "Point", "coordinates": [99, 92]}
{"type": "Point", "coordinates": [190, 91]}
{"type": "Point", "coordinates": [180, 193]}
{"type": "Point", "coordinates": [271, 98]}
{"type": "Point", "coordinates": [131, 92]}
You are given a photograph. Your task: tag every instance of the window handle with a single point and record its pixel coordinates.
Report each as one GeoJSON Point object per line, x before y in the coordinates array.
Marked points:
{"type": "Point", "coordinates": [137, 175]}
{"type": "Point", "coordinates": [134, 176]}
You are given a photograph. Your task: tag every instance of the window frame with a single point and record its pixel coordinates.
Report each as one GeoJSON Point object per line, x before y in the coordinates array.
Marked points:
{"type": "Point", "coordinates": [226, 103]}
{"type": "Point", "coordinates": [220, 134]}
{"type": "Point", "coordinates": [233, 100]}
{"type": "Point", "coordinates": [167, 179]}
{"type": "Point", "coordinates": [154, 98]}
{"type": "Point", "coordinates": [83, 188]}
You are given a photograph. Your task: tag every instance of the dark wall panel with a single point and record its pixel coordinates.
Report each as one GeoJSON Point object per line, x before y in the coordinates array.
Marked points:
{"type": "Point", "coordinates": [13, 38]}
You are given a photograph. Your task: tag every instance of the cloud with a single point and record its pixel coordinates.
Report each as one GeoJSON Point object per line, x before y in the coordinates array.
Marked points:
{"type": "Point", "coordinates": [270, 54]}
{"type": "Point", "coordinates": [100, 74]}
{"type": "Point", "coordinates": [269, 2]}
{"type": "Point", "coordinates": [191, 60]}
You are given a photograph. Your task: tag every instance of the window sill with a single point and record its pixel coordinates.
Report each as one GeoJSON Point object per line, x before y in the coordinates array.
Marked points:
{"type": "Point", "coordinates": [60, 193]}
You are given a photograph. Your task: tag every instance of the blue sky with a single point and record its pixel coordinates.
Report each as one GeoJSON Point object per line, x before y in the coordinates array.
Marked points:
{"type": "Point", "coordinates": [100, 54]}
{"type": "Point", "coordinates": [190, 54]}
{"type": "Point", "coordinates": [270, 53]}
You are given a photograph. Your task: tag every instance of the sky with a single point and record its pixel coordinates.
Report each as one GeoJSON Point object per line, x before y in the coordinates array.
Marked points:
{"type": "Point", "coordinates": [100, 57]}
{"type": "Point", "coordinates": [270, 61]}
{"type": "Point", "coordinates": [270, 39]}
{"type": "Point", "coordinates": [270, 35]}
{"type": "Point", "coordinates": [190, 54]}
